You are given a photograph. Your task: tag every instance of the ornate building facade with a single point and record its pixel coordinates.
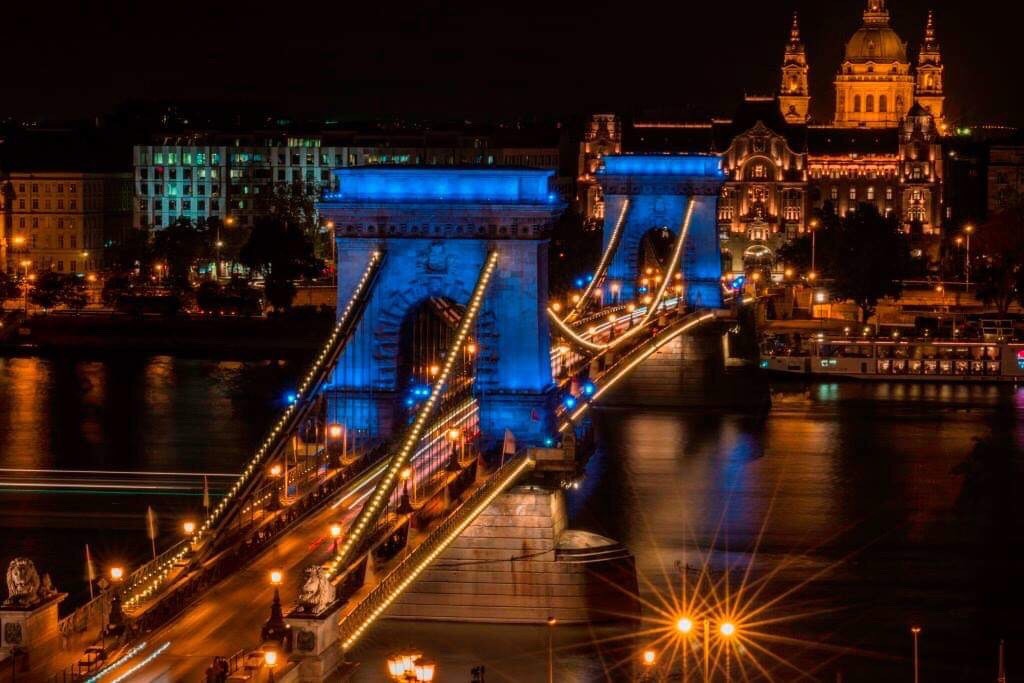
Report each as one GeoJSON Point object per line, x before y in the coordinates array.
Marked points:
{"type": "Point", "coordinates": [882, 147]}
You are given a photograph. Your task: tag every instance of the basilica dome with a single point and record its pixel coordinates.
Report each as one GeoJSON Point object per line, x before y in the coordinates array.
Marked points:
{"type": "Point", "coordinates": [876, 44]}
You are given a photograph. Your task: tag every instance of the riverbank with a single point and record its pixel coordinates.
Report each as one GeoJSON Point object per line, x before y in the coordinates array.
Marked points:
{"type": "Point", "coordinates": [297, 334]}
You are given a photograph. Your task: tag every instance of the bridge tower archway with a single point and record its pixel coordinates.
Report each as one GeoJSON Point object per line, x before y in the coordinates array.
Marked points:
{"type": "Point", "coordinates": [435, 228]}
{"type": "Point", "coordinates": [645, 193]}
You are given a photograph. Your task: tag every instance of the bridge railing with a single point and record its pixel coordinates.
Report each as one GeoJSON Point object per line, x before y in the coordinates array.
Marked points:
{"type": "Point", "coordinates": [405, 572]}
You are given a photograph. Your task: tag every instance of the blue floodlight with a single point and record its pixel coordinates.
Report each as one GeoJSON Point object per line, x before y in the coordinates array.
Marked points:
{"type": "Point", "coordinates": [570, 402]}
{"type": "Point", "coordinates": [382, 183]}
{"type": "Point", "coordinates": [589, 389]}
{"type": "Point", "coordinates": [663, 164]}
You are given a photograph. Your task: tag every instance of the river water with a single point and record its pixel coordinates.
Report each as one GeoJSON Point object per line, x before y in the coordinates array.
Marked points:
{"type": "Point", "coordinates": [859, 509]}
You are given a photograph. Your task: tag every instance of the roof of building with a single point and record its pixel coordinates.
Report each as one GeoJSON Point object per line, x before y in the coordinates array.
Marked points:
{"type": "Point", "coordinates": [876, 44]}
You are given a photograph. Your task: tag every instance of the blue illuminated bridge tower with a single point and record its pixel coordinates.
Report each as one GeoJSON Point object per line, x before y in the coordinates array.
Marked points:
{"type": "Point", "coordinates": [646, 193]}
{"type": "Point", "coordinates": [435, 228]}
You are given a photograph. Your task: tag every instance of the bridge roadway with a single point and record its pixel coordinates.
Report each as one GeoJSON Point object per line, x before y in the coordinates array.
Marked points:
{"type": "Point", "coordinates": [228, 617]}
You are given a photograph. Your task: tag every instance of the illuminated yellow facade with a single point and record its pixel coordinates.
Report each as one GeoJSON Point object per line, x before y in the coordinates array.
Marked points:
{"type": "Point", "coordinates": [795, 93]}
{"type": "Point", "coordinates": [876, 86]}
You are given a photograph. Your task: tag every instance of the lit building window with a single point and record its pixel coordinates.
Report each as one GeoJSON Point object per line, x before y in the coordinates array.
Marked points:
{"type": "Point", "coordinates": [853, 193]}
{"type": "Point", "coordinates": [888, 193]}
{"type": "Point", "coordinates": [871, 194]}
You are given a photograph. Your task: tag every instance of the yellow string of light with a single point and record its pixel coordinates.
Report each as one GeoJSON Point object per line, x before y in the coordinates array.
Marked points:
{"type": "Point", "coordinates": [374, 506]}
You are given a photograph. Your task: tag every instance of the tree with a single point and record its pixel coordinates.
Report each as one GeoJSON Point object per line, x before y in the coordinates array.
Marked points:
{"type": "Point", "coordinates": [998, 268]}
{"type": "Point", "coordinates": [9, 288]}
{"type": "Point", "coordinates": [280, 251]}
{"type": "Point", "coordinates": [871, 259]}
{"type": "Point", "coordinates": [132, 251]}
{"type": "Point", "coordinates": [865, 256]}
{"type": "Point", "coordinates": [179, 245]}
{"type": "Point", "coordinates": [295, 204]}
{"type": "Point", "coordinates": [54, 289]}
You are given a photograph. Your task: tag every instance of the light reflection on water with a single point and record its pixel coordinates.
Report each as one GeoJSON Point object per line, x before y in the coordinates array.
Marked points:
{"type": "Point", "coordinates": [124, 412]}
{"type": "Point", "coordinates": [843, 467]}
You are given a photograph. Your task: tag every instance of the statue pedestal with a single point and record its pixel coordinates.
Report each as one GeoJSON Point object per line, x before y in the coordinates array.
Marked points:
{"type": "Point", "coordinates": [31, 632]}
{"type": "Point", "coordinates": [315, 642]}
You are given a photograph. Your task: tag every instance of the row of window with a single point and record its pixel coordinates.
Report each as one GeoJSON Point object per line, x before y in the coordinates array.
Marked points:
{"type": "Point", "coordinates": [61, 222]}
{"type": "Point", "coordinates": [869, 194]}
{"type": "Point", "coordinates": [172, 205]}
{"type": "Point", "coordinates": [869, 104]}
{"type": "Point", "coordinates": [47, 205]}
{"type": "Point", "coordinates": [47, 187]}
{"type": "Point", "coordinates": [70, 243]}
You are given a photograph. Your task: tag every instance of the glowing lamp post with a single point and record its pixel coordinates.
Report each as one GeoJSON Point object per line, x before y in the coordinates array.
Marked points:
{"type": "Point", "coordinates": [458, 442]}
{"type": "Point", "coordinates": [551, 649]}
{"type": "Point", "coordinates": [336, 445]}
{"type": "Point", "coordinates": [968, 231]}
{"type": "Point", "coordinates": [115, 623]}
{"type": "Point", "coordinates": [335, 535]}
{"type": "Point", "coordinates": [405, 504]}
{"type": "Point", "coordinates": [275, 494]}
{"type": "Point", "coordinates": [916, 631]}
{"type": "Point", "coordinates": [275, 629]}
{"type": "Point", "coordinates": [270, 659]}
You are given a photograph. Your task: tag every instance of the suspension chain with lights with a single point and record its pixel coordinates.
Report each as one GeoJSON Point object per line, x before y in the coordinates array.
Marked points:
{"type": "Point", "coordinates": [374, 506]}
{"type": "Point", "coordinates": [307, 389]}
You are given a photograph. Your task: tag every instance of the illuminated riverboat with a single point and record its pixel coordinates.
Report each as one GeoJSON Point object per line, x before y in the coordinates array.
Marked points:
{"type": "Point", "coordinates": [894, 359]}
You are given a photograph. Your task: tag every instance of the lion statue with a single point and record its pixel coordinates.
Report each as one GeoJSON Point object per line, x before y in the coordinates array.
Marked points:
{"type": "Point", "coordinates": [317, 591]}
{"type": "Point", "coordinates": [22, 583]}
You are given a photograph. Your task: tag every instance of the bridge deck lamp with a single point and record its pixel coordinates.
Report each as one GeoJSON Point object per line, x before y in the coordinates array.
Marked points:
{"type": "Point", "coordinates": [684, 625]}
{"type": "Point", "coordinates": [471, 348]}
{"type": "Point", "coordinates": [116, 619]}
{"type": "Point", "coordinates": [270, 659]}
{"type": "Point", "coordinates": [405, 503]}
{"type": "Point", "coordinates": [649, 657]}
{"type": "Point", "coordinates": [275, 628]}
{"type": "Point", "coordinates": [189, 528]}
{"type": "Point", "coordinates": [556, 307]}
{"type": "Point", "coordinates": [335, 534]}
{"type": "Point", "coordinates": [334, 431]}
{"type": "Point", "coordinates": [727, 629]}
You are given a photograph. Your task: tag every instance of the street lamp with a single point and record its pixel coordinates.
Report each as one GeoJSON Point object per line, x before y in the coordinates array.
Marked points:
{"type": "Point", "coordinates": [916, 631]}
{"type": "Point", "coordinates": [335, 534]}
{"type": "Point", "coordinates": [813, 225]}
{"type": "Point", "coordinates": [275, 496]}
{"type": "Point", "coordinates": [551, 648]}
{"type": "Point", "coordinates": [405, 503]}
{"type": "Point", "coordinates": [188, 527]}
{"type": "Point", "coordinates": [458, 449]}
{"type": "Point", "coordinates": [968, 230]}
{"type": "Point", "coordinates": [270, 659]}
{"type": "Point", "coordinates": [275, 628]}
{"type": "Point", "coordinates": [115, 622]}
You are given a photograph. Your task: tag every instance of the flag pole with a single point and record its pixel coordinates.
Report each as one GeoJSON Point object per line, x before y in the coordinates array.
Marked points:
{"type": "Point", "coordinates": [151, 528]}
{"type": "Point", "coordinates": [90, 572]}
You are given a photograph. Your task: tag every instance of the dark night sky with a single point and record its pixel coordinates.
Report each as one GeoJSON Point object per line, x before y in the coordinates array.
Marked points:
{"type": "Point", "coordinates": [434, 58]}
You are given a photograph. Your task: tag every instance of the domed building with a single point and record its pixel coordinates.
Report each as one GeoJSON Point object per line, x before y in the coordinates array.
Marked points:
{"type": "Point", "coordinates": [882, 147]}
{"type": "Point", "coordinates": [874, 87]}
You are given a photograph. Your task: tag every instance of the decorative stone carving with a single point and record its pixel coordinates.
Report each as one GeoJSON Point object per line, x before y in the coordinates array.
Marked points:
{"type": "Point", "coordinates": [317, 591]}
{"type": "Point", "coordinates": [23, 584]}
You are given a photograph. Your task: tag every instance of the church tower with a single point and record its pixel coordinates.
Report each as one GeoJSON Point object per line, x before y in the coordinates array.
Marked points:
{"type": "Point", "coordinates": [929, 75]}
{"type": "Point", "coordinates": [795, 96]}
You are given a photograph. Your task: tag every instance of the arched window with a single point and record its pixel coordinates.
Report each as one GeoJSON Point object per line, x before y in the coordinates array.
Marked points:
{"type": "Point", "coordinates": [870, 103]}
{"type": "Point", "coordinates": [883, 103]}
{"type": "Point", "coordinates": [856, 103]}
